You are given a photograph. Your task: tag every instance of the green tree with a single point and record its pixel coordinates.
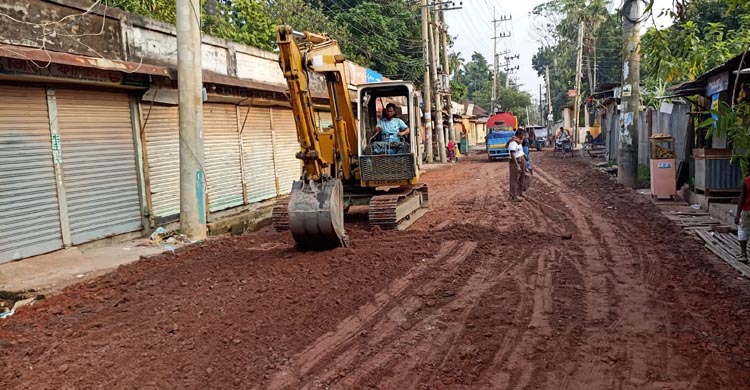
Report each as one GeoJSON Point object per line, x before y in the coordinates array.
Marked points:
{"type": "Point", "coordinates": [477, 76]}
{"type": "Point", "coordinates": [513, 100]}
{"type": "Point", "coordinates": [163, 10]}
{"type": "Point", "coordinates": [685, 51]}
{"type": "Point", "coordinates": [384, 35]}
{"type": "Point", "coordinates": [305, 16]}
{"type": "Point", "coordinates": [557, 29]}
{"type": "Point", "coordinates": [242, 21]}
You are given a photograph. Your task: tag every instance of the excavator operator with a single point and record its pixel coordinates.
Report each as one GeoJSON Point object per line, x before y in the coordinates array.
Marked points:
{"type": "Point", "coordinates": [391, 130]}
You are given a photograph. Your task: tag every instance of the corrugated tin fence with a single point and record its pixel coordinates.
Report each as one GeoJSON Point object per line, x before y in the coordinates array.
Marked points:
{"type": "Point", "coordinates": [674, 123]}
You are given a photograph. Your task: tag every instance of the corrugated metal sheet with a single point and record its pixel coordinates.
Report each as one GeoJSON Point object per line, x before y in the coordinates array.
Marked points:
{"type": "Point", "coordinates": [644, 144]}
{"type": "Point", "coordinates": [163, 151]}
{"type": "Point", "coordinates": [29, 215]}
{"type": "Point", "coordinates": [721, 175]}
{"type": "Point", "coordinates": [222, 156]}
{"type": "Point", "coordinates": [678, 123]}
{"type": "Point", "coordinates": [257, 147]}
{"type": "Point", "coordinates": [99, 164]}
{"type": "Point", "coordinates": [286, 146]}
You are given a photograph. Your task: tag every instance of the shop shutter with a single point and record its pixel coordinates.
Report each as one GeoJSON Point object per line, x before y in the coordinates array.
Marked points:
{"type": "Point", "coordinates": [98, 156]}
{"type": "Point", "coordinates": [286, 146]}
{"type": "Point", "coordinates": [257, 146]}
{"type": "Point", "coordinates": [222, 156]}
{"type": "Point", "coordinates": [29, 213]}
{"type": "Point", "coordinates": [162, 127]}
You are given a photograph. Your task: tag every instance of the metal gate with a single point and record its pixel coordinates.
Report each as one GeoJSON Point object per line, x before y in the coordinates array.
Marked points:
{"type": "Point", "coordinates": [29, 213]}
{"type": "Point", "coordinates": [257, 147]}
{"type": "Point", "coordinates": [222, 156]}
{"type": "Point", "coordinates": [98, 158]}
{"type": "Point", "coordinates": [162, 127]}
{"type": "Point", "coordinates": [286, 146]}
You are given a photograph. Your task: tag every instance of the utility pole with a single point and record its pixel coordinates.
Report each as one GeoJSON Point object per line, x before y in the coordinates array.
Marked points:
{"type": "Point", "coordinates": [447, 73]}
{"type": "Point", "coordinates": [495, 63]}
{"type": "Point", "coordinates": [550, 115]}
{"type": "Point", "coordinates": [541, 107]}
{"type": "Point", "coordinates": [426, 90]}
{"type": "Point", "coordinates": [627, 151]}
{"type": "Point", "coordinates": [190, 85]}
{"type": "Point", "coordinates": [509, 68]}
{"type": "Point", "coordinates": [577, 99]}
{"type": "Point", "coordinates": [527, 115]}
{"type": "Point", "coordinates": [434, 58]}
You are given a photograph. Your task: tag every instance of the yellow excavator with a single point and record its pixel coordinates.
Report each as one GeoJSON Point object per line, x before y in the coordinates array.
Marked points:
{"type": "Point", "coordinates": [350, 163]}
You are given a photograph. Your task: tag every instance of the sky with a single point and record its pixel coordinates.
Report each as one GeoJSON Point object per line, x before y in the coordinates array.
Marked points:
{"type": "Point", "coordinates": [473, 27]}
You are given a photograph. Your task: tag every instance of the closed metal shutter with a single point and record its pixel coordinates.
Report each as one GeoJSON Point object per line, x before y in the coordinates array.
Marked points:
{"type": "Point", "coordinates": [222, 156]}
{"type": "Point", "coordinates": [29, 213]}
{"type": "Point", "coordinates": [98, 164]}
{"type": "Point", "coordinates": [257, 147]}
{"type": "Point", "coordinates": [163, 151]}
{"type": "Point", "coordinates": [286, 146]}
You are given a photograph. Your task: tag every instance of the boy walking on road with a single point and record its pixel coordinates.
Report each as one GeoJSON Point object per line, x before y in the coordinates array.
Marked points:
{"type": "Point", "coordinates": [517, 166]}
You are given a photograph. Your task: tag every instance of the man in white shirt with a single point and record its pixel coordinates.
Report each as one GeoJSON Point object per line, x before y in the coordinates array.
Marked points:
{"type": "Point", "coordinates": [517, 165]}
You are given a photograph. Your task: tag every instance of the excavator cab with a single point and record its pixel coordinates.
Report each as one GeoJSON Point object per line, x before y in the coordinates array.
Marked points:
{"type": "Point", "coordinates": [383, 162]}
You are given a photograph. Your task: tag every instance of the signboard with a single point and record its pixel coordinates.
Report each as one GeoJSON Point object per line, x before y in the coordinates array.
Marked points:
{"type": "Point", "coordinates": [18, 67]}
{"type": "Point", "coordinates": [715, 107]}
{"type": "Point", "coordinates": [572, 93]}
{"type": "Point", "coordinates": [717, 83]}
{"type": "Point", "coordinates": [627, 90]}
{"type": "Point", "coordinates": [357, 74]}
{"type": "Point", "coordinates": [663, 165]}
{"type": "Point", "coordinates": [373, 76]}
{"type": "Point", "coordinates": [56, 151]}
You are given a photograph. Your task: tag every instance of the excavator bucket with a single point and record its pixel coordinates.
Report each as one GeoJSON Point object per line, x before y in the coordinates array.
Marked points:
{"type": "Point", "coordinates": [316, 214]}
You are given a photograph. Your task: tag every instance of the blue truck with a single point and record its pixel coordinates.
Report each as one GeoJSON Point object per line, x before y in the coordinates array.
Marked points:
{"type": "Point", "coordinates": [496, 142]}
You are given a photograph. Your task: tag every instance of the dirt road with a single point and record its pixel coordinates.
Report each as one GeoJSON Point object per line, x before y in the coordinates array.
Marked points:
{"type": "Point", "coordinates": [478, 294]}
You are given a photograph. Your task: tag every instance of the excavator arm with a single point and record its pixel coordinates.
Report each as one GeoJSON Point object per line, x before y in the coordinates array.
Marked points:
{"type": "Point", "coordinates": [324, 152]}
{"type": "Point", "coordinates": [315, 210]}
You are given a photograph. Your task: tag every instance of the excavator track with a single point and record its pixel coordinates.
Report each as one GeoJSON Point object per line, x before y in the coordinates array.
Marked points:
{"type": "Point", "coordinates": [400, 209]}
{"type": "Point", "coordinates": [280, 215]}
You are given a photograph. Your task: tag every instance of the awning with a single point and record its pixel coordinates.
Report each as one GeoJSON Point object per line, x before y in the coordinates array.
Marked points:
{"type": "Point", "coordinates": [44, 57]}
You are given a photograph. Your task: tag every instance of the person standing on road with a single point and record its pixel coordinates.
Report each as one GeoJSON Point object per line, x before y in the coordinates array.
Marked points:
{"type": "Point", "coordinates": [527, 155]}
{"type": "Point", "coordinates": [517, 165]}
{"type": "Point", "coordinates": [742, 217]}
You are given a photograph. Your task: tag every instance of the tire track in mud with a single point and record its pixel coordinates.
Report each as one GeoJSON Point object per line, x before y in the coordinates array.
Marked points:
{"type": "Point", "coordinates": [428, 358]}
{"type": "Point", "coordinates": [467, 203]}
{"type": "Point", "coordinates": [384, 341]}
{"type": "Point", "coordinates": [616, 352]}
{"type": "Point", "coordinates": [351, 326]}
{"type": "Point", "coordinates": [599, 302]}
{"type": "Point", "coordinates": [410, 354]}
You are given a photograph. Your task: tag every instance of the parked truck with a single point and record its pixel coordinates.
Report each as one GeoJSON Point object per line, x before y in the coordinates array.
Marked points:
{"type": "Point", "coordinates": [496, 143]}
{"type": "Point", "coordinates": [501, 126]}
